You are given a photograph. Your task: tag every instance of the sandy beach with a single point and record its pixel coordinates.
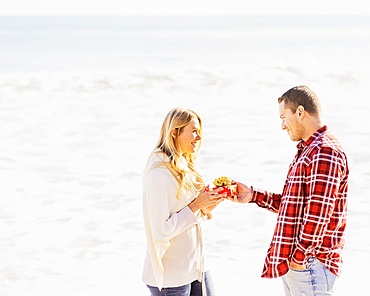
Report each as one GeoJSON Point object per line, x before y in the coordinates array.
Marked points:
{"type": "Point", "coordinates": [75, 138]}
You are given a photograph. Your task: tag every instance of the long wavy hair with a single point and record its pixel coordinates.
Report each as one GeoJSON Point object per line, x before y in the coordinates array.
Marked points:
{"type": "Point", "coordinates": [185, 172]}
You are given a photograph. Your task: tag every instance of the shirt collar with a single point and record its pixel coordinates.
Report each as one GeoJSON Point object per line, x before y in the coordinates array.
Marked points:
{"type": "Point", "coordinates": [302, 144]}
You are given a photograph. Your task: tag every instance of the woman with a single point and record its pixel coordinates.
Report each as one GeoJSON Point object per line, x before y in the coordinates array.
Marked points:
{"type": "Point", "coordinates": [175, 202]}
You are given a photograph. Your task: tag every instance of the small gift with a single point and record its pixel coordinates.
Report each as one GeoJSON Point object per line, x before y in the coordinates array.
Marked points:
{"type": "Point", "coordinates": [224, 185]}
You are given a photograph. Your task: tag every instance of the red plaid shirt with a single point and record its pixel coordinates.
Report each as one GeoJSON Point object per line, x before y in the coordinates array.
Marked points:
{"type": "Point", "coordinates": [312, 210]}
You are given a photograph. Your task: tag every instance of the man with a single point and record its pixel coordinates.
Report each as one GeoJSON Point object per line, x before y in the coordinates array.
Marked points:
{"type": "Point", "coordinates": [306, 248]}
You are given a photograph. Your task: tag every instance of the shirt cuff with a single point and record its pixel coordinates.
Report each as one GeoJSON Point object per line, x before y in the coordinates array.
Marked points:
{"type": "Point", "coordinates": [197, 215]}
{"type": "Point", "coordinates": [255, 194]}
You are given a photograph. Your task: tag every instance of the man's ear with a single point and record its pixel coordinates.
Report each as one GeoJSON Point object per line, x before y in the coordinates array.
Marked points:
{"type": "Point", "coordinates": [300, 110]}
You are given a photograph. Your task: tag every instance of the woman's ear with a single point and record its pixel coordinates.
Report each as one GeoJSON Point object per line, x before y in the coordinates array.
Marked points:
{"type": "Point", "coordinates": [174, 133]}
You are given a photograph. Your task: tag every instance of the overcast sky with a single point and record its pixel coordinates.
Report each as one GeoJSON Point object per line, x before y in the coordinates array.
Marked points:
{"type": "Point", "coordinates": [184, 7]}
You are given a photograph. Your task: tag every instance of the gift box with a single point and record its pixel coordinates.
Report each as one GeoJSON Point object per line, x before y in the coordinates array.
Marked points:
{"type": "Point", "coordinates": [224, 185]}
{"type": "Point", "coordinates": [230, 190]}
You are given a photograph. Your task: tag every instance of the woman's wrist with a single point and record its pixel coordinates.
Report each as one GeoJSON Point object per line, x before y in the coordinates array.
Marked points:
{"type": "Point", "coordinates": [193, 206]}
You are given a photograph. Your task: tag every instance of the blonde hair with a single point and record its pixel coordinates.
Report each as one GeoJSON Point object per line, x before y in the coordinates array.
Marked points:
{"type": "Point", "coordinates": [187, 175]}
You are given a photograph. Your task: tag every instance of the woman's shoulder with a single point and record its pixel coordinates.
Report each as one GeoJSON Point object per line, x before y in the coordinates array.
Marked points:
{"type": "Point", "coordinates": [157, 162]}
{"type": "Point", "coordinates": [157, 159]}
{"type": "Point", "coordinates": [157, 170]}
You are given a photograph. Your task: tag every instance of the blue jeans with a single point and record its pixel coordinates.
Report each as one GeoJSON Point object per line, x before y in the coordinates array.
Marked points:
{"type": "Point", "coordinates": [192, 289]}
{"type": "Point", "coordinates": [315, 280]}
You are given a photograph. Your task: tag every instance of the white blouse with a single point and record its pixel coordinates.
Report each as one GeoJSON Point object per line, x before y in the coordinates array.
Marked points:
{"type": "Point", "coordinates": [174, 238]}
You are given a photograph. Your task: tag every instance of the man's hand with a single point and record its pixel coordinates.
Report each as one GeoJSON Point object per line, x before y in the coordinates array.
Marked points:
{"type": "Point", "coordinates": [296, 266]}
{"type": "Point", "coordinates": [245, 193]}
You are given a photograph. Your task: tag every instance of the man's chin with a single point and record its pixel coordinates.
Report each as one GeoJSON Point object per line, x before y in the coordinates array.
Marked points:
{"type": "Point", "coordinates": [294, 139]}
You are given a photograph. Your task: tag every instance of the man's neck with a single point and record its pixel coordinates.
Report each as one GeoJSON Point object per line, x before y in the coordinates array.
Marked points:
{"type": "Point", "coordinates": [312, 127]}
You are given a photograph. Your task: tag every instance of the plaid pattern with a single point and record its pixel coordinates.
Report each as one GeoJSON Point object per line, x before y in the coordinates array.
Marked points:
{"type": "Point", "coordinates": [312, 210]}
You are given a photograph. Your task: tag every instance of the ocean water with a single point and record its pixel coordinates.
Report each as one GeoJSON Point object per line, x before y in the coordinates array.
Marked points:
{"type": "Point", "coordinates": [82, 100]}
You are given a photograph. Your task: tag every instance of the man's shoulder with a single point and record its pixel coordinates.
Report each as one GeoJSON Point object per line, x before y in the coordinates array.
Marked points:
{"type": "Point", "coordinates": [329, 142]}
{"type": "Point", "coordinates": [327, 147]}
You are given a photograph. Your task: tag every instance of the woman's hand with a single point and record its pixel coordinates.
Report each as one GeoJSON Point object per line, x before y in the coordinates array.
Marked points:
{"type": "Point", "coordinates": [206, 201]}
